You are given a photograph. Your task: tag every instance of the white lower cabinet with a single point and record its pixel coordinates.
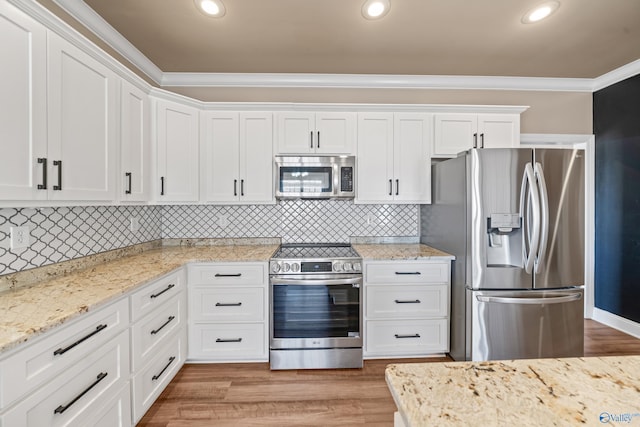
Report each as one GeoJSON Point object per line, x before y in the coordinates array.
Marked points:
{"type": "Point", "coordinates": [228, 312]}
{"type": "Point", "coordinates": [406, 308]}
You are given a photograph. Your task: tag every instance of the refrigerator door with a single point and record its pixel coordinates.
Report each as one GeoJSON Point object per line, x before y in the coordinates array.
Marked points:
{"type": "Point", "coordinates": [560, 255]}
{"type": "Point", "coordinates": [526, 324]}
{"type": "Point", "coordinates": [496, 180]}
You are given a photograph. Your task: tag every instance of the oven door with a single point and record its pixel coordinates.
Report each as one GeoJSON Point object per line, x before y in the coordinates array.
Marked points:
{"type": "Point", "coordinates": [318, 312]}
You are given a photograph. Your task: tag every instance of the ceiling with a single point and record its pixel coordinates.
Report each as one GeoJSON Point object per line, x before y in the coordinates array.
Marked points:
{"type": "Point", "coordinates": [583, 39]}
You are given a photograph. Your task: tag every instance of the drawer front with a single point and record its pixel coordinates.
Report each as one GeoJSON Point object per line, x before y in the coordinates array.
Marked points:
{"type": "Point", "coordinates": [233, 341]}
{"type": "Point", "coordinates": [154, 330]}
{"type": "Point", "coordinates": [227, 304]}
{"type": "Point", "coordinates": [406, 301]}
{"type": "Point", "coordinates": [406, 272]}
{"type": "Point", "coordinates": [115, 413]}
{"type": "Point", "coordinates": [406, 337]}
{"type": "Point", "coordinates": [60, 350]}
{"type": "Point", "coordinates": [155, 294]}
{"type": "Point", "coordinates": [149, 382]}
{"type": "Point", "coordinates": [228, 274]}
{"type": "Point", "coordinates": [69, 399]}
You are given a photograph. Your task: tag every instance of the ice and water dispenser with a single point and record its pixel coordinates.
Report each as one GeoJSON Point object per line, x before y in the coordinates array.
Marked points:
{"type": "Point", "coordinates": [504, 240]}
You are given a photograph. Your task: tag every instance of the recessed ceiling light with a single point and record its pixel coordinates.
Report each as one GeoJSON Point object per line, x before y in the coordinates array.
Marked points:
{"type": "Point", "coordinates": [375, 9]}
{"type": "Point", "coordinates": [540, 12]}
{"type": "Point", "coordinates": [213, 8]}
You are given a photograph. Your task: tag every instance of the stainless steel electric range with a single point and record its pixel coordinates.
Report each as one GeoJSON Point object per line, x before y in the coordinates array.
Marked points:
{"type": "Point", "coordinates": [316, 307]}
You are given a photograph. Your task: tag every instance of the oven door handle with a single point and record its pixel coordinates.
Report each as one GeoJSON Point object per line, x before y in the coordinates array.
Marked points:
{"type": "Point", "coordinates": [343, 281]}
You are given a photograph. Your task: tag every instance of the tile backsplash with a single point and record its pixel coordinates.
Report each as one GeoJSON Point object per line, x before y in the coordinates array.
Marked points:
{"type": "Point", "coordinates": [64, 233]}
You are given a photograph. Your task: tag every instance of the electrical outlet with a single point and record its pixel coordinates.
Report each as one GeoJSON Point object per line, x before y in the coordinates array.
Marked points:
{"type": "Point", "coordinates": [20, 237]}
{"type": "Point", "coordinates": [134, 223]}
{"type": "Point", "coordinates": [223, 220]}
{"type": "Point", "coordinates": [371, 219]}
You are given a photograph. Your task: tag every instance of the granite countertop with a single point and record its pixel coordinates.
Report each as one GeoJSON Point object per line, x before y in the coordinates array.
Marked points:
{"type": "Point", "coordinates": [415, 251]}
{"type": "Point", "coordinates": [29, 311]}
{"type": "Point", "coordinates": [535, 392]}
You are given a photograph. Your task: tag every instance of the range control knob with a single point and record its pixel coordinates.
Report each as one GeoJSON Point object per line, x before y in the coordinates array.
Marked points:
{"type": "Point", "coordinates": [347, 266]}
{"type": "Point", "coordinates": [357, 266]}
{"type": "Point", "coordinates": [286, 267]}
{"type": "Point", "coordinates": [275, 267]}
{"type": "Point", "coordinates": [337, 266]}
{"type": "Point", "coordinates": [295, 267]}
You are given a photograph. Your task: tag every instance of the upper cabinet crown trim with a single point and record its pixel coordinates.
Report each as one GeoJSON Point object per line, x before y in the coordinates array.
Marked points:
{"type": "Point", "coordinates": [87, 16]}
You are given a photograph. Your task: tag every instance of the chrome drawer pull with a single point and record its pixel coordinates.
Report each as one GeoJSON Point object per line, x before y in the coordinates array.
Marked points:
{"type": "Point", "coordinates": [155, 331]}
{"type": "Point", "coordinates": [162, 291]}
{"type": "Point", "coordinates": [155, 377]}
{"type": "Point", "coordinates": [407, 336]}
{"type": "Point", "coordinates": [86, 337]}
{"type": "Point", "coordinates": [60, 409]}
{"type": "Point", "coordinates": [228, 275]}
{"type": "Point", "coordinates": [230, 304]}
{"type": "Point", "coordinates": [229, 340]}
{"type": "Point", "coordinates": [417, 301]}
{"type": "Point", "coordinates": [414, 273]}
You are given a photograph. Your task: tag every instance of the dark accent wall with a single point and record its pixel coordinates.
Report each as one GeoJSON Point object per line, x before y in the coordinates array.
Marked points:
{"type": "Point", "coordinates": [616, 122]}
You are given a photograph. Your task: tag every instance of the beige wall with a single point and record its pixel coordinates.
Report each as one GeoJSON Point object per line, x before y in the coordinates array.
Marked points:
{"type": "Point", "coordinates": [549, 112]}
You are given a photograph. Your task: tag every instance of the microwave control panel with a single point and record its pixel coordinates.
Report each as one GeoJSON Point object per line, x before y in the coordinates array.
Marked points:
{"type": "Point", "coordinates": [346, 179]}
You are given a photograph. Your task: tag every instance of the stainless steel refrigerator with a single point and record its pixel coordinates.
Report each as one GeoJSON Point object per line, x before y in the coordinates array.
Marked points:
{"type": "Point", "coordinates": [514, 219]}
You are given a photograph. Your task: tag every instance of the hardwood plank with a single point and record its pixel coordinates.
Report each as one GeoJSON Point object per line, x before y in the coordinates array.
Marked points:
{"type": "Point", "coordinates": [250, 394]}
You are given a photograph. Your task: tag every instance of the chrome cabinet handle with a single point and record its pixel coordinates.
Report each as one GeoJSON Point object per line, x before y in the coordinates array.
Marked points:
{"type": "Point", "coordinates": [407, 273]}
{"type": "Point", "coordinates": [228, 304]}
{"type": "Point", "coordinates": [162, 185]}
{"type": "Point", "coordinates": [171, 285]}
{"type": "Point", "coordinates": [155, 331]}
{"type": "Point", "coordinates": [228, 339]}
{"type": "Point", "coordinates": [155, 377]}
{"type": "Point", "coordinates": [407, 336]}
{"type": "Point", "coordinates": [61, 350]}
{"type": "Point", "coordinates": [60, 409]}
{"type": "Point", "coordinates": [59, 164]}
{"type": "Point", "coordinates": [417, 301]}
{"type": "Point", "coordinates": [43, 162]}
{"type": "Point", "coordinates": [128, 176]}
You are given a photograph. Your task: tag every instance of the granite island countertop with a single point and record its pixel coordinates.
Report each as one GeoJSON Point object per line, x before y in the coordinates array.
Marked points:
{"type": "Point", "coordinates": [398, 252]}
{"type": "Point", "coordinates": [534, 392]}
{"type": "Point", "coordinates": [27, 312]}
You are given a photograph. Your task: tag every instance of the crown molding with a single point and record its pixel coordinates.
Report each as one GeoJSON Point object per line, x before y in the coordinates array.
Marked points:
{"type": "Point", "coordinates": [79, 10]}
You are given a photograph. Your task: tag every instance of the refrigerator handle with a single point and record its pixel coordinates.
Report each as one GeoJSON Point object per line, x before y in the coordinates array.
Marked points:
{"type": "Point", "coordinates": [544, 216]}
{"type": "Point", "coordinates": [533, 234]}
{"type": "Point", "coordinates": [548, 300]}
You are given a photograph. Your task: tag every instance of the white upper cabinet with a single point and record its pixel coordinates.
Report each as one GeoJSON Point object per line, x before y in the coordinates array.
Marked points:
{"type": "Point", "coordinates": [300, 132]}
{"type": "Point", "coordinates": [135, 144]}
{"type": "Point", "coordinates": [460, 132]}
{"type": "Point", "coordinates": [177, 152]}
{"type": "Point", "coordinates": [237, 157]}
{"type": "Point", "coordinates": [394, 163]}
{"type": "Point", "coordinates": [82, 114]}
{"type": "Point", "coordinates": [23, 113]}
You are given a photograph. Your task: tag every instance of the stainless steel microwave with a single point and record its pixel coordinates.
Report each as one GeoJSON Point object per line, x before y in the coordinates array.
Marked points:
{"type": "Point", "coordinates": [315, 177]}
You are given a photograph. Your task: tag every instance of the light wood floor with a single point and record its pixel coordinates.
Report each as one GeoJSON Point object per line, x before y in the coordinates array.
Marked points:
{"type": "Point", "coordinates": [251, 395]}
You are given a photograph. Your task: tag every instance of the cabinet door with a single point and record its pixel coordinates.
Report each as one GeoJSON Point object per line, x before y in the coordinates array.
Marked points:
{"type": "Point", "coordinates": [177, 150]}
{"type": "Point", "coordinates": [375, 157]}
{"type": "Point", "coordinates": [256, 158]}
{"type": "Point", "coordinates": [499, 130]}
{"type": "Point", "coordinates": [220, 160]}
{"type": "Point", "coordinates": [335, 133]}
{"type": "Point", "coordinates": [135, 143]}
{"type": "Point", "coordinates": [412, 159]}
{"type": "Point", "coordinates": [82, 114]}
{"type": "Point", "coordinates": [23, 108]}
{"type": "Point", "coordinates": [296, 132]}
{"type": "Point", "coordinates": [454, 133]}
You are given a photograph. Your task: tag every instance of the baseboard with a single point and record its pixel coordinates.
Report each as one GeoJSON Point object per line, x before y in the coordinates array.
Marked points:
{"type": "Point", "coordinates": [620, 323]}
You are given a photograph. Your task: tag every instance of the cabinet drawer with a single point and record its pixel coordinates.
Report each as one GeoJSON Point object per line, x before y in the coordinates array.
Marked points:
{"type": "Point", "coordinates": [116, 412]}
{"type": "Point", "coordinates": [406, 272]}
{"type": "Point", "coordinates": [152, 331]}
{"type": "Point", "coordinates": [232, 341]}
{"type": "Point", "coordinates": [227, 304]}
{"type": "Point", "coordinates": [69, 398]}
{"type": "Point", "coordinates": [155, 294]}
{"type": "Point", "coordinates": [228, 274]}
{"type": "Point", "coordinates": [406, 301]}
{"type": "Point", "coordinates": [149, 382]}
{"type": "Point", "coordinates": [406, 337]}
{"type": "Point", "coordinates": [59, 350]}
